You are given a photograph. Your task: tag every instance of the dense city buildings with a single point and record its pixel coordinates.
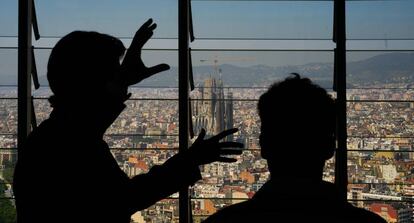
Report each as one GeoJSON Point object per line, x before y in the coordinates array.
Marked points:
{"type": "Point", "coordinates": [380, 157]}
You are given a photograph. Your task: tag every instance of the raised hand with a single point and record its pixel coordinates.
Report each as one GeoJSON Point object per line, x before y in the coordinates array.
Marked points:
{"type": "Point", "coordinates": [205, 151]}
{"type": "Point", "coordinates": [133, 69]}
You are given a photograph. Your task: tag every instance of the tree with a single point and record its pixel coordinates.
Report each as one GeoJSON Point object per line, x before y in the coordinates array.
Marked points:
{"type": "Point", "coordinates": [7, 210]}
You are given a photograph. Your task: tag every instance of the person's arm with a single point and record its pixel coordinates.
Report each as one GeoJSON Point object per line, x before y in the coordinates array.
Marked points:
{"type": "Point", "coordinates": [180, 171]}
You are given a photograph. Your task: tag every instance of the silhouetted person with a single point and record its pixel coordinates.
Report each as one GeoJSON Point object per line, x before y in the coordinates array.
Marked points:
{"type": "Point", "coordinates": [65, 170]}
{"type": "Point", "coordinates": [297, 137]}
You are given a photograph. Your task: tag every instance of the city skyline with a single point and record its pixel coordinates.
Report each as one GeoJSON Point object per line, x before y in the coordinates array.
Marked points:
{"type": "Point", "coordinates": [240, 48]}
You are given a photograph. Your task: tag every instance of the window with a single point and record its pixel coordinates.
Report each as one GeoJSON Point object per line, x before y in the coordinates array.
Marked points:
{"type": "Point", "coordinates": [239, 48]}
{"type": "Point", "coordinates": [379, 93]}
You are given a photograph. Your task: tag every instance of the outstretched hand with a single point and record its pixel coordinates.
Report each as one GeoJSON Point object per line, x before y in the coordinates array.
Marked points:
{"type": "Point", "coordinates": [210, 150]}
{"type": "Point", "coordinates": [133, 69]}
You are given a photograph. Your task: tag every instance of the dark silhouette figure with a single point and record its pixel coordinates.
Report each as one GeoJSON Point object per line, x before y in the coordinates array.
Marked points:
{"type": "Point", "coordinates": [297, 137]}
{"type": "Point", "coordinates": [65, 170]}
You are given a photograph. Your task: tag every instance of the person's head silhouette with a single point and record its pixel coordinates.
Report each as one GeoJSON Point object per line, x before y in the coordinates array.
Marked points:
{"type": "Point", "coordinates": [82, 66]}
{"type": "Point", "coordinates": [88, 80]}
{"type": "Point", "coordinates": [297, 128]}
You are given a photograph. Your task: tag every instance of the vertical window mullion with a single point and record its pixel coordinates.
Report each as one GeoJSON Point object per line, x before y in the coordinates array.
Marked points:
{"type": "Point", "coordinates": [341, 175]}
{"type": "Point", "coordinates": [24, 70]}
{"type": "Point", "coordinates": [183, 95]}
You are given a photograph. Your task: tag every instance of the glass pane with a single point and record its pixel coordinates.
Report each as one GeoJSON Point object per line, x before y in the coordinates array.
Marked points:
{"type": "Point", "coordinates": [8, 118]}
{"type": "Point", "coordinates": [8, 141]}
{"type": "Point", "coordinates": [150, 57]}
{"type": "Point", "coordinates": [380, 19]}
{"type": "Point", "coordinates": [204, 207]}
{"type": "Point", "coordinates": [382, 168]}
{"type": "Point", "coordinates": [138, 126]}
{"type": "Point", "coordinates": [42, 108]}
{"type": "Point", "coordinates": [8, 158]}
{"type": "Point", "coordinates": [373, 93]}
{"type": "Point", "coordinates": [260, 68]}
{"type": "Point", "coordinates": [391, 211]}
{"type": "Point", "coordinates": [246, 175]}
{"type": "Point", "coordinates": [263, 19]}
{"type": "Point", "coordinates": [8, 18]}
{"type": "Point", "coordinates": [135, 162]}
{"type": "Point", "coordinates": [8, 71]}
{"type": "Point", "coordinates": [396, 144]}
{"type": "Point", "coordinates": [118, 18]}
{"type": "Point", "coordinates": [163, 211]}
{"type": "Point", "coordinates": [8, 212]}
{"type": "Point", "coordinates": [147, 124]}
{"type": "Point", "coordinates": [7, 204]}
{"type": "Point", "coordinates": [402, 45]}
{"type": "Point", "coordinates": [380, 69]}
{"type": "Point", "coordinates": [380, 119]}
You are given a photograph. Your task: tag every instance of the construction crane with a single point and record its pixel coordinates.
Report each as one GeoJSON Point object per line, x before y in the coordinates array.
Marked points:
{"type": "Point", "coordinates": [216, 60]}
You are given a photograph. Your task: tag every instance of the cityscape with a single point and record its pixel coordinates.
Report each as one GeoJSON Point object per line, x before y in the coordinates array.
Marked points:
{"type": "Point", "coordinates": [380, 157]}
{"type": "Point", "coordinates": [237, 49]}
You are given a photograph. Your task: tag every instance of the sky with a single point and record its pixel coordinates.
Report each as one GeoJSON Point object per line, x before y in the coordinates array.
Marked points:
{"type": "Point", "coordinates": [220, 19]}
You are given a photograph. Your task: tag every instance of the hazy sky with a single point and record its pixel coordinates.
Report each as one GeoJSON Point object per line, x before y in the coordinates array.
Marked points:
{"type": "Point", "coordinates": [220, 19]}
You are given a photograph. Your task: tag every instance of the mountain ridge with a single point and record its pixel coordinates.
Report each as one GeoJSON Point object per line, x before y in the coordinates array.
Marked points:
{"type": "Point", "coordinates": [379, 69]}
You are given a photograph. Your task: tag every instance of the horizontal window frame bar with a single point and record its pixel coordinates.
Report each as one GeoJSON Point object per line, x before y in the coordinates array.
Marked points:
{"type": "Point", "coordinates": [383, 50]}
{"type": "Point", "coordinates": [160, 99]}
{"type": "Point", "coordinates": [380, 101]}
{"type": "Point", "coordinates": [380, 200]}
{"type": "Point", "coordinates": [208, 49]}
{"type": "Point", "coordinates": [246, 149]}
{"type": "Point", "coordinates": [114, 134]}
{"type": "Point", "coordinates": [239, 38]}
{"type": "Point", "coordinates": [217, 198]}
{"type": "Point", "coordinates": [248, 50]}
{"type": "Point", "coordinates": [230, 87]}
{"type": "Point", "coordinates": [391, 184]}
{"type": "Point", "coordinates": [380, 137]}
{"type": "Point", "coordinates": [380, 150]}
{"type": "Point", "coordinates": [130, 148]}
{"type": "Point", "coordinates": [239, 99]}
{"type": "Point", "coordinates": [171, 135]}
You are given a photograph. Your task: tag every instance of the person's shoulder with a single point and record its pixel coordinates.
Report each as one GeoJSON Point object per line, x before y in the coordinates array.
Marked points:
{"type": "Point", "coordinates": [362, 215]}
{"type": "Point", "coordinates": [45, 129]}
{"type": "Point", "coordinates": [227, 214]}
{"type": "Point", "coordinates": [41, 138]}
